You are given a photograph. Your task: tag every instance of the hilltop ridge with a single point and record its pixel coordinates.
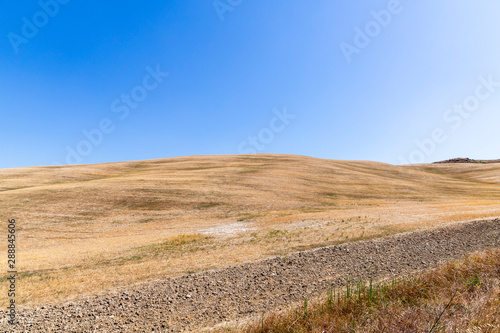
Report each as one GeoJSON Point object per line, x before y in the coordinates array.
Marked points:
{"type": "Point", "coordinates": [467, 160]}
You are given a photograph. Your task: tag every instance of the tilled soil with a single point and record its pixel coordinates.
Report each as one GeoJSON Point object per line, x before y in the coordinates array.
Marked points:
{"type": "Point", "coordinates": [192, 301]}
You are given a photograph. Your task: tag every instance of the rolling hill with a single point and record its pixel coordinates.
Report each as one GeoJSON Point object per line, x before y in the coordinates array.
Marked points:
{"type": "Point", "coordinates": [85, 229]}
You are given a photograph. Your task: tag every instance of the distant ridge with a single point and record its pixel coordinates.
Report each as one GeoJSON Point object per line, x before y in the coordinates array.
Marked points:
{"type": "Point", "coordinates": [467, 160]}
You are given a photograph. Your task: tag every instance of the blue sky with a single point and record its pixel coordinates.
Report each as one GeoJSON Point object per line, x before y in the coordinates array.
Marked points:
{"type": "Point", "coordinates": [391, 81]}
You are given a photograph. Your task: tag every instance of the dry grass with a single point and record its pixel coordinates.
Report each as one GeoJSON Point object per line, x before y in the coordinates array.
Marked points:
{"type": "Point", "coordinates": [86, 229]}
{"type": "Point", "coordinates": [458, 297]}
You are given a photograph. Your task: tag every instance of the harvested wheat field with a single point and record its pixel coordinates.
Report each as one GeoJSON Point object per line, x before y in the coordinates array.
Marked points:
{"type": "Point", "coordinates": [233, 297]}
{"type": "Point", "coordinates": [93, 229]}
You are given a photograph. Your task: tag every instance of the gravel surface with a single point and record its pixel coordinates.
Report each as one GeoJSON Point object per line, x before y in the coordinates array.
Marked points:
{"type": "Point", "coordinates": [192, 301]}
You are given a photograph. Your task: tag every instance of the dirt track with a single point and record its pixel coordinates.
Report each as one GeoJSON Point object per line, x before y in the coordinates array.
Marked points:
{"type": "Point", "coordinates": [207, 298]}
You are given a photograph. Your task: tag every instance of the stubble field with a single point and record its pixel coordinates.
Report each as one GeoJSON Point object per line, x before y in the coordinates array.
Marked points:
{"type": "Point", "coordinates": [84, 230]}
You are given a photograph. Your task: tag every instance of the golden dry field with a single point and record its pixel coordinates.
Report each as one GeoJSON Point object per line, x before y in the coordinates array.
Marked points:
{"type": "Point", "coordinates": [89, 228]}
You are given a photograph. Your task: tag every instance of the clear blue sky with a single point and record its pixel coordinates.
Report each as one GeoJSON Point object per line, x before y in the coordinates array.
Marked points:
{"type": "Point", "coordinates": [362, 80]}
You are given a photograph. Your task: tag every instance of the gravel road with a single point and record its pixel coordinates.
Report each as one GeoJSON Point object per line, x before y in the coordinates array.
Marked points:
{"type": "Point", "coordinates": [192, 301]}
